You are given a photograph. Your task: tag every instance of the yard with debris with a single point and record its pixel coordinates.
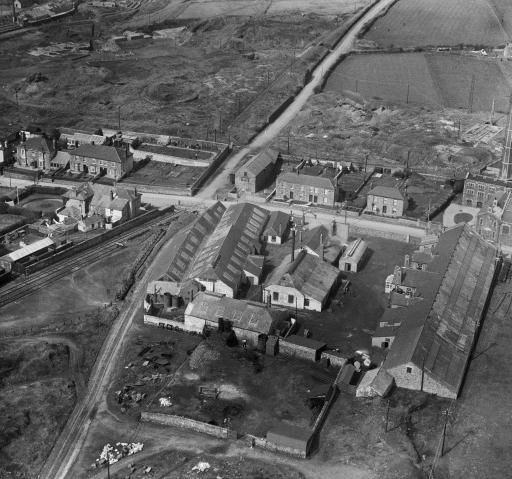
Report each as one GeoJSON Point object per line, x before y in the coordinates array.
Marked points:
{"type": "Point", "coordinates": [351, 318]}
{"type": "Point", "coordinates": [212, 382]}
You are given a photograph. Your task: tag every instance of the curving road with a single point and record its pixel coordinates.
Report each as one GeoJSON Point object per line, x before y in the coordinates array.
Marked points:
{"type": "Point", "coordinates": [273, 130]}
{"type": "Point", "coordinates": [72, 438]}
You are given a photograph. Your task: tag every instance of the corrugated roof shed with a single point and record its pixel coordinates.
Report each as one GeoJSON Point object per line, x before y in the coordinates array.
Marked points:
{"type": "Point", "coordinates": [185, 245]}
{"type": "Point", "coordinates": [225, 252]}
{"type": "Point", "coordinates": [355, 251]}
{"type": "Point", "coordinates": [440, 330]}
{"type": "Point", "coordinates": [308, 274]}
{"type": "Point", "coordinates": [304, 342]}
{"type": "Point", "coordinates": [259, 162]}
{"type": "Point", "coordinates": [247, 315]}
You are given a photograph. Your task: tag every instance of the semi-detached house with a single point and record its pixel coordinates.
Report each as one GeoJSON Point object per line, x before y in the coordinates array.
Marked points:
{"type": "Point", "coordinates": [320, 190]}
{"type": "Point", "coordinates": [111, 161]}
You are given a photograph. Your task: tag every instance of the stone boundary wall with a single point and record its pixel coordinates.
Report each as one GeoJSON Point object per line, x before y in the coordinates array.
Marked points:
{"type": "Point", "coordinates": [190, 424]}
{"type": "Point", "coordinates": [263, 443]}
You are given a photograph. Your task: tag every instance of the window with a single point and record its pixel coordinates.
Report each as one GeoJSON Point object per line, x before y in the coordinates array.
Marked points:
{"type": "Point", "coordinates": [470, 192]}
{"type": "Point", "coordinates": [480, 187]}
{"type": "Point", "coordinates": [505, 229]}
{"type": "Point", "coordinates": [315, 199]}
{"type": "Point", "coordinates": [470, 184]}
{"type": "Point", "coordinates": [395, 202]}
{"type": "Point", "coordinates": [291, 299]}
{"type": "Point", "coordinates": [408, 370]}
{"type": "Point", "coordinates": [275, 296]}
{"type": "Point", "coordinates": [384, 209]}
{"type": "Point", "coordinates": [273, 239]}
{"type": "Point", "coordinates": [291, 195]}
{"type": "Point", "coordinates": [306, 302]}
{"type": "Point", "coordinates": [326, 199]}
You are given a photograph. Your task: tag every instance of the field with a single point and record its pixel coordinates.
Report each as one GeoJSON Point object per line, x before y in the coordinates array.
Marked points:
{"type": "Point", "coordinates": [435, 80]}
{"type": "Point", "coordinates": [438, 22]}
{"type": "Point", "coordinates": [387, 76]}
{"type": "Point", "coordinates": [221, 77]}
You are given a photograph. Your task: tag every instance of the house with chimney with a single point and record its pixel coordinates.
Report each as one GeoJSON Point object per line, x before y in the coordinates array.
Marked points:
{"type": "Point", "coordinates": [116, 205]}
{"type": "Point", "coordinates": [385, 201]}
{"type": "Point", "coordinates": [483, 188]}
{"type": "Point", "coordinates": [277, 229]}
{"type": "Point", "coordinates": [494, 221]}
{"type": "Point", "coordinates": [303, 281]}
{"type": "Point", "coordinates": [317, 185]}
{"type": "Point", "coordinates": [36, 152]}
{"type": "Point", "coordinates": [111, 161]}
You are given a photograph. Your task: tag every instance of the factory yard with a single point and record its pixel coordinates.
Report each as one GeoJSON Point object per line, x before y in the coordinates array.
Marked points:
{"type": "Point", "coordinates": [411, 23]}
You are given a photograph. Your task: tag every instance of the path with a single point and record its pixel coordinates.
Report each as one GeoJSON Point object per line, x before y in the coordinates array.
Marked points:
{"type": "Point", "coordinates": [272, 131]}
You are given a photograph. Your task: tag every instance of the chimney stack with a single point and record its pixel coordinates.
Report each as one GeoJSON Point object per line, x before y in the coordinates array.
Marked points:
{"type": "Point", "coordinates": [293, 245]}
{"type": "Point", "coordinates": [407, 261]}
{"type": "Point", "coordinates": [323, 246]}
{"type": "Point", "coordinates": [397, 276]}
{"type": "Point", "coordinates": [506, 169]}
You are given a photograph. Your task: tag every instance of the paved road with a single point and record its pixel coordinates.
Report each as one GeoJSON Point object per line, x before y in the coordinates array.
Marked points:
{"type": "Point", "coordinates": [273, 130]}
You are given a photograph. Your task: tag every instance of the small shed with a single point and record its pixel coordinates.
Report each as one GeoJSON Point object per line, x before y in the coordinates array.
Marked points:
{"type": "Point", "coordinates": [300, 346]}
{"type": "Point", "coordinates": [376, 382]}
{"type": "Point", "coordinates": [289, 438]}
{"type": "Point", "coordinates": [277, 228]}
{"type": "Point", "coordinates": [354, 256]}
{"type": "Point", "coordinates": [334, 358]}
{"type": "Point", "coordinates": [384, 336]}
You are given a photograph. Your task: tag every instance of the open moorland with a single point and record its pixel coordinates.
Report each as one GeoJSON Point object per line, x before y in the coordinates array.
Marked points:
{"type": "Point", "coordinates": [347, 127]}
{"type": "Point", "coordinates": [201, 81]}
{"type": "Point", "coordinates": [436, 80]}
{"type": "Point", "coordinates": [411, 23]}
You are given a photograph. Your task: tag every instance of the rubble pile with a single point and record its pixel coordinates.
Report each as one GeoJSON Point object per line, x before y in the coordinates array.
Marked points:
{"type": "Point", "coordinates": [117, 452]}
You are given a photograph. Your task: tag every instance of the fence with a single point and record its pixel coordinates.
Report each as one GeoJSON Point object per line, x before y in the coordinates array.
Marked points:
{"type": "Point", "coordinates": [207, 173]}
{"type": "Point", "coordinates": [190, 424]}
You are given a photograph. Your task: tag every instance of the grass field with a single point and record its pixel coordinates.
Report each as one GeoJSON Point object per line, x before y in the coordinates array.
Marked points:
{"type": "Point", "coordinates": [435, 80]}
{"type": "Point", "coordinates": [441, 22]}
{"type": "Point", "coordinates": [387, 76]}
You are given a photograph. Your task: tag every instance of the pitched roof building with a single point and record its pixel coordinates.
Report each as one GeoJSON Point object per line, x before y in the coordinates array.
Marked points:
{"type": "Point", "coordinates": [258, 172]}
{"type": "Point", "coordinates": [304, 282]}
{"type": "Point", "coordinates": [433, 344]}
{"type": "Point", "coordinates": [386, 201]}
{"type": "Point", "coordinates": [36, 152]}
{"type": "Point", "coordinates": [314, 189]}
{"type": "Point", "coordinates": [111, 161]}
{"type": "Point", "coordinates": [277, 227]}
{"type": "Point", "coordinates": [494, 221]}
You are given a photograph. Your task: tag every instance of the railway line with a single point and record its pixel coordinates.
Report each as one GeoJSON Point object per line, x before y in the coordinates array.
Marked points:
{"type": "Point", "coordinates": [40, 279]}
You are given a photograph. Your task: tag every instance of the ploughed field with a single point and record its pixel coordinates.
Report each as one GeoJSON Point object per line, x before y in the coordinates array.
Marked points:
{"type": "Point", "coordinates": [411, 23]}
{"type": "Point", "coordinates": [436, 80]}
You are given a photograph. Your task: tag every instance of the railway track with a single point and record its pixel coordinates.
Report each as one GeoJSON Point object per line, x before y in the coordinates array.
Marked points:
{"type": "Point", "coordinates": [40, 279]}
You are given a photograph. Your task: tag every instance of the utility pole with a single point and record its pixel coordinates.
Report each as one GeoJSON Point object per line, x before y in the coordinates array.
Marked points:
{"type": "Point", "coordinates": [491, 120]}
{"type": "Point", "coordinates": [471, 94]}
{"type": "Point", "coordinates": [407, 97]}
{"type": "Point", "coordinates": [119, 117]}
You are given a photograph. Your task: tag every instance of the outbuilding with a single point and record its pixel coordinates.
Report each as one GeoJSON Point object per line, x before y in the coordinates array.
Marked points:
{"type": "Point", "coordinates": [354, 256]}
{"type": "Point", "coordinates": [277, 228]}
{"type": "Point", "coordinates": [302, 347]}
{"type": "Point", "coordinates": [290, 438]}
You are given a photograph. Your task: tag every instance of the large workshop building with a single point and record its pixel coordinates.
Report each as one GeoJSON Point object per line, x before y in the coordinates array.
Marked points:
{"type": "Point", "coordinates": [432, 346]}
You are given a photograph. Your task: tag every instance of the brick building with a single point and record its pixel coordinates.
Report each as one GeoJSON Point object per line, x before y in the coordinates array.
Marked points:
{"type": "Point", "coordinates": [258, 172]}
{"type": "Point", "coordinates": [316, 189]}
{"type": "Point", "coordinates": [494, 221]}
{"type": "Point", "coordinates": [385, 201]}
{"type": "Point", "coordinates": [36, 152]}
{"type": "Point", "coordinates": [111, 161]}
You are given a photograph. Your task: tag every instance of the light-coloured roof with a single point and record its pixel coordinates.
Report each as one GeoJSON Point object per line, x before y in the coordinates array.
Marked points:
{"type": "Point", "coordinates": [28, 250]}
{"type": "Point", "coordinates": [82, 137]}
{"type": "Point", "coordinates": [247, 315]}
{"type": "Point", "coordinates": [258, 163]}
{"type": "Point", "coordinates": [224, 254]}
{"type": "Point", "coordinates": [354, 251]}
{"type": "Point", "coordinates": [62, 158]}
{"type": "Point", "coordinates": [387, 192]}
{"type": "Point", "coordinates": [440, 330]}
{"type": "Point", "coordinates": [306, 180]}
{"type": "Point", "coordinates": [308, 274]}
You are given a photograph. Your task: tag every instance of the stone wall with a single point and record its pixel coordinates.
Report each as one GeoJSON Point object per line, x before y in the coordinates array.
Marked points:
{"type": "Point", "coordinates": [190, 424]}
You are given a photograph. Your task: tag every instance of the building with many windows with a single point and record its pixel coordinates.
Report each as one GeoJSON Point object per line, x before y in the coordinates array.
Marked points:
{"type": "Point", "coordinates": [386, 201]}
{"type": "Point", "coordinates": [111, 161]}
{"type": "Point", "coordinates": [316, 189]}
{"type": "Point", "coordinates": [494, 221]}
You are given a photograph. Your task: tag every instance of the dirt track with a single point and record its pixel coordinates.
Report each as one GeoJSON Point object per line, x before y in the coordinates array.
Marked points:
{"type": "Point", "coordinates": [273, 130]}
